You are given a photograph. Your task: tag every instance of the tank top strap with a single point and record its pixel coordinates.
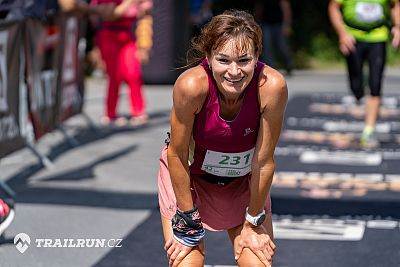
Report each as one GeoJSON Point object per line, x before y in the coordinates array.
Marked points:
{"type": "Point", "coordinates": [212, 95]}
{"type": "Point", "coordinates": [258, 69]}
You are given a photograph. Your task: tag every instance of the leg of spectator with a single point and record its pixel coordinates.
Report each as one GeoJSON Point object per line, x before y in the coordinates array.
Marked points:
{"type": "Point", "coordinates": [376, 63]}
{"type": "Point", "coordinates": [355, 72]}
{"type": "Point", "coordinates": [110, 51]}
{"type": "Point", "coordinates": [268, 45]}
{"type": "Point", "coordinates": [131, 69]}
{"type": "Point", "coordinates": [284, 49]}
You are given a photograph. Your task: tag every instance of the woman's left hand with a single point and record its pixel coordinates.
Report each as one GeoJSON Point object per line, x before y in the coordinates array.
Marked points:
{"type": "Point", "coordinates": [258, 241]}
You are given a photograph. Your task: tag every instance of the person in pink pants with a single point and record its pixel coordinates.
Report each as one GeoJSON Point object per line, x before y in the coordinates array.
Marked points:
{"type": "Point", "coordinates": [117, 43]}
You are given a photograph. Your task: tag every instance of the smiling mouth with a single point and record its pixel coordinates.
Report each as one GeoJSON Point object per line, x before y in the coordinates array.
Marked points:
{"type": "Point", "coordinates": [234, 80]}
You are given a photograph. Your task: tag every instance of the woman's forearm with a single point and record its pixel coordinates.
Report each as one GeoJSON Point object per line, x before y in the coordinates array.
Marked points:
{"type": "Point", "coordinates": [180, 180]}
{"type": "Point", "coordinates": [261, 181]}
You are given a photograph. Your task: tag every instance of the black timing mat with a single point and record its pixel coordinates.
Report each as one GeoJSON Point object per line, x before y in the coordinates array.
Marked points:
{"type": "Point", "coordinates": [320, 166]}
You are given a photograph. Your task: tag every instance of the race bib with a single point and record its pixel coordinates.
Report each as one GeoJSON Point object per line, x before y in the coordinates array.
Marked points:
{"type": "Point", "coordinates": [369, 12]}
{"type": "Point", "coordinates": [228, 164]}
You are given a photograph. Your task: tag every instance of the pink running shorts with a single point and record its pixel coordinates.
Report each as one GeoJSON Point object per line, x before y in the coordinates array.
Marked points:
{"type": "Point", "coordinates": [220, 207]}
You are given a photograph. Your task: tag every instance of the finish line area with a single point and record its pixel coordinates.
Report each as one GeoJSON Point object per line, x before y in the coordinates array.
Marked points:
{"type": "Point", "coordinates": [334, 203]}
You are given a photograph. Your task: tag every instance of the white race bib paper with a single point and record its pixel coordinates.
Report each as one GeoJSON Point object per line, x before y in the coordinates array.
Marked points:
{"type": "Point", "coordinates": [228, 164]}
{"type": "Point", "coordinates": [369, 12]}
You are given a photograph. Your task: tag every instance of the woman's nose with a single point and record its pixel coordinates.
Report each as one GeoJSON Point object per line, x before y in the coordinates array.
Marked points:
{"type": "Point", "coordinates": [233, 69]}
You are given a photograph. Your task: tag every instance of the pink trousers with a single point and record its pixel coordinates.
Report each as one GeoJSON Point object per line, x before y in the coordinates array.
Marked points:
{"type": "Point", "coordinates": [118, 50]}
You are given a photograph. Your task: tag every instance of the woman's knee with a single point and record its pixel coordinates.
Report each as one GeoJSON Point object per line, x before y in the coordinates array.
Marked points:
{"type": "Point", "coordinates": [249, 259]}
{"type": "Point", "coordinates": [194, 259]}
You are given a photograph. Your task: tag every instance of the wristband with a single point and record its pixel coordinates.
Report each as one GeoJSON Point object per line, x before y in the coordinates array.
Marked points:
{"type": "Point", "coordinates": [187, 227]}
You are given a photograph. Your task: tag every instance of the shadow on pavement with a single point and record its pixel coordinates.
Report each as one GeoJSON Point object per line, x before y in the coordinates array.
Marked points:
{"type": "Point", "coordinates": [83, 197]}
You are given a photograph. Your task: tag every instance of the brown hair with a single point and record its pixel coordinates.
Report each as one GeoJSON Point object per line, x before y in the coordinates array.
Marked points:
{"type": "Point", "coordinates": [235, 24]}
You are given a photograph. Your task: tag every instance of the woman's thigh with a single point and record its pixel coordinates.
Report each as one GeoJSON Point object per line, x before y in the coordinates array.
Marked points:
{"type": "Point", "coordinates": [195, 258]}
{"type": "Point", "coordinates": [248, 258]}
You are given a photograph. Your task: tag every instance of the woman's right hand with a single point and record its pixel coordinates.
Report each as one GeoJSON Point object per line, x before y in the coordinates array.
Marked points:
{"type": "Point", "coordinates": [176, 251]}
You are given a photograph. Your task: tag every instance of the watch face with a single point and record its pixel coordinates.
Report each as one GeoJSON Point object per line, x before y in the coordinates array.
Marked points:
{"type": "Point", "coordinates": [260, 219]}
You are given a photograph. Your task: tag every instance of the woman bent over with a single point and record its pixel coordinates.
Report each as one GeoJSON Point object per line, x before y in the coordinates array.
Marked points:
{"type": "Point", "coordinates": [216, 172]}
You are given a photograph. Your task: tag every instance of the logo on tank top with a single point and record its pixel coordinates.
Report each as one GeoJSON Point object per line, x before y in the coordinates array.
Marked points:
{"type": "Point", "coordinates": [247, 131]}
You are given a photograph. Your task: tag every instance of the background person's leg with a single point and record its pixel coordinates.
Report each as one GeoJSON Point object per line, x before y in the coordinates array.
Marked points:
{"type": "Point", "coordinates": [372, 106]}
{"type": "Point", "coordinates": [376, 56]}
{"type": "Point", "coordinates": [355, 71]}
{"type": "Point", "coordinates": [132, 72]}
{"type": "Point", "coordinates": [376, 62]}
{"type": "Point", "coordinates": [284, 49]}
{"type": "Point", "coordinates": [110, 51]}
{"type": "Point", "coordinates": [267, 54]}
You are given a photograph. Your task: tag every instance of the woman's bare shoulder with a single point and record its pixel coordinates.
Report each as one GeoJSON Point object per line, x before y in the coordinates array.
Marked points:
{"type": "Point", "coordinates": [271, 77]}
{"type": "Point", "coordinates": [192, 86]}
{"type": "Point", "coordinates": [272, 84]}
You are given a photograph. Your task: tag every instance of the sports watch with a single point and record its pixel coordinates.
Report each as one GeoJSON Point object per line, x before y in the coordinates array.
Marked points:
{"type": "Point", "coordinates": [255, 220]}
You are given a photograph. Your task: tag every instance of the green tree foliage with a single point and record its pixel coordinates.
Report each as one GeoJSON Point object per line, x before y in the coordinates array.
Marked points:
{"type": "Point", "coordinates": [313, 38]}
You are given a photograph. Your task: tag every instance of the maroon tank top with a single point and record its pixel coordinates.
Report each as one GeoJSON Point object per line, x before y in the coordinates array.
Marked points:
{"type": "Point", "coordinates": [211, 132]}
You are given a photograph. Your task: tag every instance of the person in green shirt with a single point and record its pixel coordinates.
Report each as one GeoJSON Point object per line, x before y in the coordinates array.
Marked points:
{"type": "Point", "coordinates": [363, 28]}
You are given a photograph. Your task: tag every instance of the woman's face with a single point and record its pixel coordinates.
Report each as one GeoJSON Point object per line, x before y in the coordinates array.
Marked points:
{"type": "Point", "coordinates": [233, 69]}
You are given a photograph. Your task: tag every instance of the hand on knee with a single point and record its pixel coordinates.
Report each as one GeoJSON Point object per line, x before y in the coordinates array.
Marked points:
{"type": "Point", "coordinates": [181, 255]}
{"type": "Point", "coordinates": [248, 259]}
{"type": "Point", "coordinates": [254, 247]}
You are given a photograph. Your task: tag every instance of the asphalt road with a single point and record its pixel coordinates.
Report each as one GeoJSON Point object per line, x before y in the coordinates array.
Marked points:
{"type": "Point", "coordinates": [331, 208]}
